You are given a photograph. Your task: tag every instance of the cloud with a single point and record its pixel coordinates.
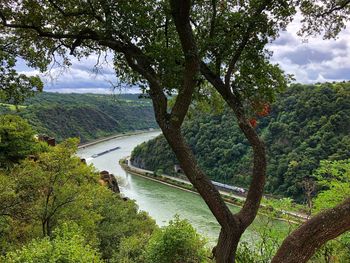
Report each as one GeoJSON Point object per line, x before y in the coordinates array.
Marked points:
{"type": "Point", "coordinates": [337, 74]}
{"type": "Point", "coordinates": [285, 38]}
{"type": "Point", "coordinates": [312, 59]}
{"type": "Point", "coordinates": [85, 75]}
{"type": "Point", "coordinates": [309, 60]}
{"type": "Point", "coordinates": [306, 55]}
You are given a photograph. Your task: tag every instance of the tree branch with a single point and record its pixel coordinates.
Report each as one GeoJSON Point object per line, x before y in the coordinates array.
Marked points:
{"type": "Point", "coordinates": [70, 13]}
{"type": "Point", "coordinates": [181, 14]}
{"type": "Point", "coordinates": [200, 181]}
{"type": "Point", "coordinates": [302, 243]}
{"type": "Point", "coordinates": [243, 44]}
{"type": "Point", "coordinates": [334, 8]}
{"type": "Point", "coordinates": [86, 33]}
{"type": "Point", "coordinates": [256, 188]}
{"type": "Point", "coordinates": [134, 56]}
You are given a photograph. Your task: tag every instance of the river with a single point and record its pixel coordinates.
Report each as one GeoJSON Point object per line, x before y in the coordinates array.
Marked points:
{"type": "Point", "coordinates": [162, 202]}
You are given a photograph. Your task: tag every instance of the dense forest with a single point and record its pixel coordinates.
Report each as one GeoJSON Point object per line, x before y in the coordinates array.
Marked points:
{"type": "Point", "coordinates": [87, 116]}
{"type": "Point", "coordinates": [307, 124]}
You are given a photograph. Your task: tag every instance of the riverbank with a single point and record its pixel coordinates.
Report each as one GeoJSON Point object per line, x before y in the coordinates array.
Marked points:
{"type": "Point", "coordinates": [118, 135]}
{"type": "Point", "coordinates": [290, 216]}
{"type": "Point", "coordinates": [174, 182]}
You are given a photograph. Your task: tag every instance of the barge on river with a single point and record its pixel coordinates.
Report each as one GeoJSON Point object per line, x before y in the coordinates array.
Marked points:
{"type": "Point", "coordinates": [104, 152]}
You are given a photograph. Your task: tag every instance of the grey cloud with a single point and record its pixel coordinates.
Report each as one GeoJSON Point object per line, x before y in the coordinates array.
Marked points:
{"type": "Point", "coordinates": [312, 74]}
{"type": "Point", "coordinates": [284, 39]}
{"type": "Point", "coordinates": [337, 74]}
{"type": "Point", "coordinates": [342, 45]}
{"type": "Point", "coordinates": [306, 55]}
{"type": "Point", "coordinates": [90, 68]}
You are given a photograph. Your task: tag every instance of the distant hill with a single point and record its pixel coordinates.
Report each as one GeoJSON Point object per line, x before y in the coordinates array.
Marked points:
{"type": "Point", "coordinates": [88, 116]}
{"type": "Point", "coordinates": [308, 123]}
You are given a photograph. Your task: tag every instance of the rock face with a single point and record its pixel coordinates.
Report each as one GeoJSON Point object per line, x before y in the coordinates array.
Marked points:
{"type": "Point", "coordinates": [110, 180]}
{"type": "Point", "coordinates": [138, 162]}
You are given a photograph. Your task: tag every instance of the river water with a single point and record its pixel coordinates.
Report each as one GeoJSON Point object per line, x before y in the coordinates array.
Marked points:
{"type": "Point", "coordinates": [162, 202]}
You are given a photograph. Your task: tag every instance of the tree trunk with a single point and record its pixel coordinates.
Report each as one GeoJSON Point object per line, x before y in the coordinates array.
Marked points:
{"type": "Point", "coordinates": [225, 250]}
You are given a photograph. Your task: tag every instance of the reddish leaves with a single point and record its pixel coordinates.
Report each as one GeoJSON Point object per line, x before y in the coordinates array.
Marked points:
{"type": "Point", "coordinates": [253, 122]}
{"type": "Point", "coordinates": [265, 110]}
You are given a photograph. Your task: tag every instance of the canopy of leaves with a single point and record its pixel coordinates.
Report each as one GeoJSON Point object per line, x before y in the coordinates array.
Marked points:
{"type": "Point", "coordinates": [42, 195]}
{"type": "Point", "coordinates": [231, 37]}
{"type": "Point", "coordinates": [14, 87]}
{"type": "Point", "coordinates": [333, 178]}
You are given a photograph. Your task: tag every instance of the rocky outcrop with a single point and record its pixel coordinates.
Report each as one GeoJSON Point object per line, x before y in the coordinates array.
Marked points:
{"type": "Point", "coordinates": [110, 181]}
{"type": "Point", "coordinates": [138, 162]}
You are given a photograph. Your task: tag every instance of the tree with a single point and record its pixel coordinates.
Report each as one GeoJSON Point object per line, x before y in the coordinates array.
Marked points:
{"type": "Point", "coordinates": [165, 47]}
{"type": "Point", "coordinates": [53, 184]}
{"type": "Point", "coordinates": [14, 87]}
{"type": "Point", "coordinates": [334, 180]}
{"type": "Point", "coordinates": [16, 140]}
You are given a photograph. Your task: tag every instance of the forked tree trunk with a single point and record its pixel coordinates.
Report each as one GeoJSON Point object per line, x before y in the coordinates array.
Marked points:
{"type": "Point", "coordinates": [232, 226]}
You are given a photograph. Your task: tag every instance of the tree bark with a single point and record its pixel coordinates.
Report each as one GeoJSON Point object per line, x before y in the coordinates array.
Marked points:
{"type": "Point", "coordinates": [225, 250]}
{"type": "Point", "coordinates": [302, 243]}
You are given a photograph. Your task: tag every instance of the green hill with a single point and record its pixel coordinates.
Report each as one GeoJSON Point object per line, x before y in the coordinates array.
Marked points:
{"type": "Point", "coordinates": [308, 123]}
{"type": "Point", "coordinates": [88, 116]}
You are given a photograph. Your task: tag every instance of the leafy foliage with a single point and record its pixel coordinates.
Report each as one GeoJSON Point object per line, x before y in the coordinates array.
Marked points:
{"type": "Point", "coordinates": [14, 87]}
{"type": "Point", "coordinates": [307, 124]}
{"type": "Point", "coordinates": [16, 140]}
{"type": "Point", "coordinates": [68, 245]}
{"type": "Point", "coordinates": [334, 180]}
{"type": "Point", "coordinates": [177, 242]}
{"type": "Point", "coordinates": [327, 17]}
{"type": "Point", "coordinates": [41, 196]}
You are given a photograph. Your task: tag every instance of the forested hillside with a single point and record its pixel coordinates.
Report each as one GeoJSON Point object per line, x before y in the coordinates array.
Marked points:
{"type": "Point", "coordinates": [308, 123]}
{"type": "Point", "coordinates": [87, 116]}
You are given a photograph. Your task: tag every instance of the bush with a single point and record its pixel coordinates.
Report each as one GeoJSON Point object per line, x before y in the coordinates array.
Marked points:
{"type": "Point", "coordinates": [68, 245]}
{"type": "Point", "coordinates": [178, 242]}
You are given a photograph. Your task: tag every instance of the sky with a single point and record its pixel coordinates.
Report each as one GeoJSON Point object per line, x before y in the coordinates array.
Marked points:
{"type": "Point", "coordinates": [310, 60]}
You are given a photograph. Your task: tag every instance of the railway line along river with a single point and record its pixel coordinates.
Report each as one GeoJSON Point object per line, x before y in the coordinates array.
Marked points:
{"type": "Point", "coordinates": [161, 201]}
